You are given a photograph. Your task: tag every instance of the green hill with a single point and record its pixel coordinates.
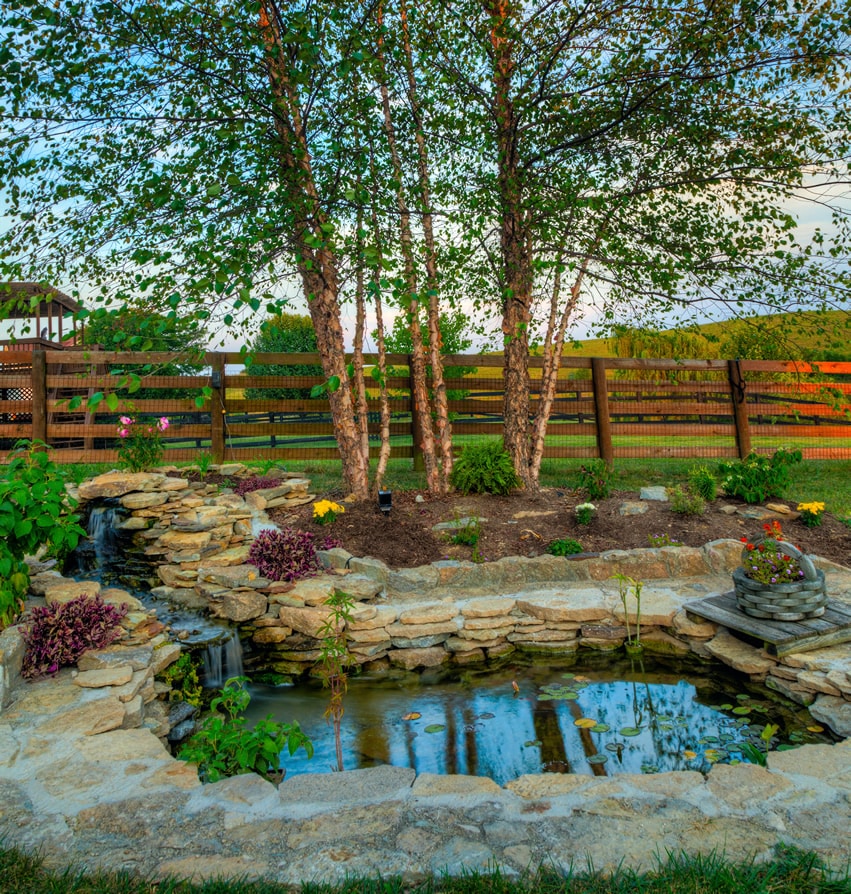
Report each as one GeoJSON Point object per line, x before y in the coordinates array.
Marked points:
{"type": "Point", "coordinates": [802, 335]}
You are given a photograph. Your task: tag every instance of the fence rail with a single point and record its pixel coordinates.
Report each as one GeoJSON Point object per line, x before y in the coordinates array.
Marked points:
{"type": "Point", "coordinates": [607, 407]}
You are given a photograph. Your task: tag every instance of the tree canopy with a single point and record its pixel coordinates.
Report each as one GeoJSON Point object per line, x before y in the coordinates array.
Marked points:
{"type": "Point", "coordinates": [517, 157]}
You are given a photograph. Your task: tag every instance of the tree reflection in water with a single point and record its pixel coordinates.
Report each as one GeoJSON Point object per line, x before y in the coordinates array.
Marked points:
{"type": "Point", "coordinates": [649, 716]}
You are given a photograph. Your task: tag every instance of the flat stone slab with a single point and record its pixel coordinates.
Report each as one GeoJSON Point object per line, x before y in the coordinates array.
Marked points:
{"type": "Point", "coordinates": [349, 787]}
{"type": "Point", "coordinates": [738, 654]}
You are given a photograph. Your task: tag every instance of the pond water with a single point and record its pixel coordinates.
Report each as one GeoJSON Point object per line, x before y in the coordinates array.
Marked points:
{"type": "Point", "coordinates": [598, 715]}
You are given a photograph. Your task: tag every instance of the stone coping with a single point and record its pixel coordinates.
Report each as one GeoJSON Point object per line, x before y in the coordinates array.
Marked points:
{"type": "Point", "coordinates": [118, 800]}
{"type": "Point", "coordinates": [85, 779]}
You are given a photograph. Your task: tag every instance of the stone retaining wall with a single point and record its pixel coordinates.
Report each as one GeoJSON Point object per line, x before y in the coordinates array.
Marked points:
{"type": "Point", "coordinates": [449, 612]}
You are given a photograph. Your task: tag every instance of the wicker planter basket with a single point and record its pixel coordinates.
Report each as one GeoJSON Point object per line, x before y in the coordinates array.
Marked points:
{"type": "Point", "coordinates": [793, 601]}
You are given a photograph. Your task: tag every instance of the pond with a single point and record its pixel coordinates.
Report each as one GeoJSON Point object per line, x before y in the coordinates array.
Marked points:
{"type": "Point", "coordinates": [599, 714]}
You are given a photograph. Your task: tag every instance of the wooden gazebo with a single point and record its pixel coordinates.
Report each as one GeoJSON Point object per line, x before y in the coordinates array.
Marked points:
{"type": "Point", "coordinates": [46, 315]}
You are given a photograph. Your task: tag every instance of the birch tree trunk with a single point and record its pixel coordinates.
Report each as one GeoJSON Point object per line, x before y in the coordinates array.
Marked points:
{"type": "Point", "coordinates": [422, 408]}
{"type": "Point", "coordinates": [315, 258]}
{"type": "Point", "coordinates": [515, 247]}
{"type": "Point", "coordinates": [443, 427]}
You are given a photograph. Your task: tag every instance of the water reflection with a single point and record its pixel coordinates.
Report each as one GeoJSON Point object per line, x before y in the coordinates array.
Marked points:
{"type": "Point", "coordinates": [631, 720]}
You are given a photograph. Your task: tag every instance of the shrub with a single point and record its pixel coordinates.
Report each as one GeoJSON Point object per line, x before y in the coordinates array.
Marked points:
{"type": "Point", "coordinates": [34, 512]}
{"type": "Point", "coordinates": [564, 547]}
{"type": "Point", "coordinates": [685, 502]}
{"type": "Point", "coordinates": [485, 469]}
{"type": "Point", "coordinates": [60, 633]}
{"type": "Point", "coordinates": [757, 477]}
{"type": "Point", "coordinates": [247, 485]}
{"type": "Point", "coordinates": [141, 447]}
{"type": "Point", "coordinates": [596, 479]}
{"type": "Point", "coordinates": [287, 554]}
{"type": "Point", "coordinates": [224, 747]}
{"type": "Point", "coordinates": [703, 482]}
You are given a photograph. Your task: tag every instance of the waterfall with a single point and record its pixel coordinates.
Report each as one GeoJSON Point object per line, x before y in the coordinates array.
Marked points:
{"type": "Point", "coordinates": [103, 532]}
{"type": "Point", "coordinates": [222, 660]}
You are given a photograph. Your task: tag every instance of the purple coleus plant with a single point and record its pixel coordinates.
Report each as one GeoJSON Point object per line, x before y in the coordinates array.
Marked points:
{"type": "Point", "coordinates": [249, 484]}
{"type": "Point", "coordinates": [288, 554]}
{"type": "Point", "coordinates": [58, 634]}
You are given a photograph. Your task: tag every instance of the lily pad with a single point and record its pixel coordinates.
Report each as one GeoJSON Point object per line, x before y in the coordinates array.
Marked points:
{"type": "Point", "coordinates": [713, 755]}
{"type": "Point", "coordinates": [598, 759]}
{"type": "Point", "coordinates": [435, 728]}
{"type": "Point", "coordinates": [600, 728]}
{"type": "Point", "coordinates": [533, 743]}
{"type": "Point", "coordinates": [630, 731]}
{"type": "Point", "coordinates": [585, 723]}
{"type": "Point", "coordinates": [412, 715]}
{"type": "Point", "coordinates": [689, 755]}
{"type": "Point", "coordinates": [486, 716]}
{"type": "Point", "coordinates": [742, 709]}
{"type": "Point", "coordinates": [614, 746]}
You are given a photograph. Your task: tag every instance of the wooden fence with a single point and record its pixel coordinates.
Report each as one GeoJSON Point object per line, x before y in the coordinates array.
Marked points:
{"type": "Point", "coordinates": [605, 407]}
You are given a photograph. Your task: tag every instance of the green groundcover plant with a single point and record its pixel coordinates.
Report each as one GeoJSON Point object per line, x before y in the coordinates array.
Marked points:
{"type": "Point", "coordinates": [36, 514]}
{"type": "Point", "coordinates": [226, 746]}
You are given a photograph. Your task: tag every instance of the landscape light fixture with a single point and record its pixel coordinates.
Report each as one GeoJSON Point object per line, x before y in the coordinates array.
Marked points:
{"type": "Point", "coordinates": [385, 501]}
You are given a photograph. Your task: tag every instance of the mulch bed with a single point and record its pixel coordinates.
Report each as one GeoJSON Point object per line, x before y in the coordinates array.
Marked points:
{"type": "Point", "coordinates": [523, 524]}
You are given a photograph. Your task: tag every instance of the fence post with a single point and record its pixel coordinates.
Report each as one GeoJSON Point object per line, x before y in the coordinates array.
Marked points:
{"type": "Point", "coordinates": [217, 409]}
{"type": "Point", "coordinates": [601, 410]}
{"type": "Point", "coordinates": [740, 407]}
{"type": "Point", "coordinates": [416, 430]}
{"type": "Point", "coordinates": [39, 389]}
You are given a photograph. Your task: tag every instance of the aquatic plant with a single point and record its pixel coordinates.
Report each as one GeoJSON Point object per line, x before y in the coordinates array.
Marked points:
{"type": "Point", "coordinates": [334, 661]}
{"type": "Point", "coordinates": [58, 634]}
{"type": "Point", "coordinates": [630, 586]}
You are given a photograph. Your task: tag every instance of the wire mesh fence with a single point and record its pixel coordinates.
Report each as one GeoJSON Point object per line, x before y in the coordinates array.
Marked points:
{"type": "Point", "coordinates": [610, 408]}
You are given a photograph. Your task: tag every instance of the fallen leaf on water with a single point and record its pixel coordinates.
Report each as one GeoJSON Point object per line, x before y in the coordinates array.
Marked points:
{"type": "Point", "coordinates": [413, 715]}
{"type": "Point", "coordinates": [815, 729]}
{"type": "Point", "coordinates": [585, 723]}
{"type": "Point", "coordinates": [689, 755]}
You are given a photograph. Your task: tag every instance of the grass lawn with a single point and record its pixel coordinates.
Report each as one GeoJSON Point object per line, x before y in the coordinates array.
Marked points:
{"type": "Point", "coordinates": [790, 872]}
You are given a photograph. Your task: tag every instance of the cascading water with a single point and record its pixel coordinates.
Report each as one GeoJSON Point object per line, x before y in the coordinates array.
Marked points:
{"type": "Point", "coordinates": [110, 556]}
{"type": "Point", "coordinates": [222, 660]}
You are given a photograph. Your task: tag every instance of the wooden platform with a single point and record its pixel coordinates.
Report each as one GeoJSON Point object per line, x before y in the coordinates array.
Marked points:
{"type": "Point", "coordinates": [778, 637]}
